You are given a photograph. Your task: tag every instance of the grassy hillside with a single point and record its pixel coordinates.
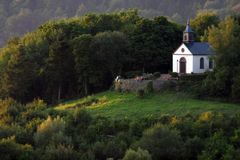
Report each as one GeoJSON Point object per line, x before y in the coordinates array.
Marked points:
{"type": "Point", "coordinates": [123, 105]}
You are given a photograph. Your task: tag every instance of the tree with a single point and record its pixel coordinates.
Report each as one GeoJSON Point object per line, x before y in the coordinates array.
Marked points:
{"type": "Point", "coordinates": [148, 39]}
{"type": "Point", "coordinates": [83, 53]}
{"type": "Point", "coordinates": [60, 152]}
{"type": "Point", "coordinates": [99, 59]}
{"type": "Point", "coordinates": [59, 66]}
{"type": "Point", "coordinates": [225, 41]}
{"type": "Point", "coordinates": [12, 150]}
{"type": "Point", "coordinates": [162, 143]}
{"type": "Point", "coordinates": [215, 147]}
{"type": "Point", "coordinates": [137, 155]}
{"type": "Point", "coordinates": [19, 75]}
{"type": "Point", "coordinates": [202, 22]}
{"type": "Point", "coordinates": [51, 131]}
{"type": "Point", "coordinates": [114, 46]}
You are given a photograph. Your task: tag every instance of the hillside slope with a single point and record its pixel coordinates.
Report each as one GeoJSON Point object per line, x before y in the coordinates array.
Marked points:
{"type": "Point", "coordinates": [128, 105]}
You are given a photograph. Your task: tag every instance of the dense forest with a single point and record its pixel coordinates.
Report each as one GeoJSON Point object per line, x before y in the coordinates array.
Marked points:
{"type": "Point", "coordinates": [79, 56]}
{"type": "Point", "coordinates": [75, 57]}
{"type": "Point", "coordinates": [20, 16]}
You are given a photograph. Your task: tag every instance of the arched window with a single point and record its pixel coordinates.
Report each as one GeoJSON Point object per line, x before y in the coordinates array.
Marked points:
{"type": "Point", "coordinates": [185, 37]}
{"type": "Point", "coordinates": [201, 63]}
{"type": "Point", "coordinates": [210, 64]}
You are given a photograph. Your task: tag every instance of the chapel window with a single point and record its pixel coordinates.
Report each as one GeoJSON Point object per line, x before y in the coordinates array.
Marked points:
{"type": "Point", "coordinates": [201, 63]}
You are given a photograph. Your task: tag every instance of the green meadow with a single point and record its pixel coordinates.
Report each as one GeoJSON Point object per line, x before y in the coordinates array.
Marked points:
{"type": "Point", "coordinates": [129, 105]}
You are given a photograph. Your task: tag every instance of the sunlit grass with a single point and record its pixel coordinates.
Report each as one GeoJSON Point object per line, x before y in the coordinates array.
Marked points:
{"type": "Point", "coordinates": [122, 105]}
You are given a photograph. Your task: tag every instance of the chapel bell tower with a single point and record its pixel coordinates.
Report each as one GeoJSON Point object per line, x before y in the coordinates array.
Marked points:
{"type": "Point", "coordinates": [188, 34]}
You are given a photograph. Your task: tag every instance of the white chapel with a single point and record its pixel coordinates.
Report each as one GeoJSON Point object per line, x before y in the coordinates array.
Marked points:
{"type": "Point", "coordinates": [192, 57]}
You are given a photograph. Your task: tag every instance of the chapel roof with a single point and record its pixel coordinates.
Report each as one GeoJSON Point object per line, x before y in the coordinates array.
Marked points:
{"type": "Point", "coordinates": [188, 27]}
{"type": "Point", "coordinates": [199, 48]}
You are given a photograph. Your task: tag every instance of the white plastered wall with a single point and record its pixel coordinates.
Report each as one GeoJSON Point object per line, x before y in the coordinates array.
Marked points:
{"type": "Point", "coordinates": [189, 63]}
{"type": "Point", "coordinates": [196, 62]}
{"type": "Point", "coordinates": [193, 62]}
{"type": "Point", "coordinates": [179, 53]}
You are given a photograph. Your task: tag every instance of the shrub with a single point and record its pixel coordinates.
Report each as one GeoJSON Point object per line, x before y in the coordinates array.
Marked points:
{"type": "Point", "coordinates": [157, 74]}
{"type": "Point", "coordinates": [215, 147]}
{"type": "Point", "coordinates": [149, 87]}
{"type": "Point", "coordinates": [9, 150]}
{"type": "Point", "coordinates": [174, 74]}
{"type": "Point", "coordinates": [140, 93]}
{"type": "Point", "coordinates": [8, 131]}
{"type": "Point", "coordinates": [193, 147]}
{"type": "Point", "coordinates": [60, 152]}
{"type": "Point", "coordinates": [36, 104]}
{"type": "Point", "coordinates": [162, 143]}
{"type": "Point", "coordinates": [98, 149]}
{"type": "Point", "coordinates": [165, 119]}
{"type": "Point", "coordinates": [236, 89]}
{"type": "Point", "coordinates": [231, 153]}
{"type": "Point", "coordinates": [34, 110]}
{"type": "Point", "coordinates": [235, 139]}
{"type": "Point", "coordinates": [88, 101]}
{"type": "Point", "coordinates": [121, 125]}
{"type": "Point", "coordinates": [78, 121]}
{"type": "Point", "coordinates": [102, 100]}
{"type": "Point", "coordinates": [115, 149]}
{"type": "Point", "coordinates": [9, 110]}
{"type": "Point", "coordinates": [193, 77]}
{"type": "Point", "coordinates": [137, 155]}
{"type": "Point", "coordinates": [49, 130]}
{"type": "Point", "coordinates": [81, 116]}
{"type": "Point", "coordinates": [133, 74]}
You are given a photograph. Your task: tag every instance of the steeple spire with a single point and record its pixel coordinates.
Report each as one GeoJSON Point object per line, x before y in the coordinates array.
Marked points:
{"type": "Point", "coordinates": [188, 33]}
{"type": "Point", "coordinates": [188, 21]}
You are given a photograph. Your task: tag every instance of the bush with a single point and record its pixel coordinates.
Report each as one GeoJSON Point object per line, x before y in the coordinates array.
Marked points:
{"type": "Point", "coordinates": [140, 93]}
{"type": "Point", "coordinates": [88, 101]}
{"type": "Point", "coordinates": [157, 74]}
{"type": "Point", "coordinates": [98, 149]}
{"type": "Point", "coordinates": [236, 89]}
{"type": "Point", "coordinates": [137, 155]}
{"type": "Point", "coordinates": [162, 143]}
{"type": "Point", "coordinates": [193, 77]}
{"type": "Point", "coordinates": [36, 104]}
{"type": "Point", "coordinates": [193, 147]}
{"type": "Point", "coordinates": [149, 87]}
{"type": "Point", "coordinates": [81, 116]}
{"type": "Point", "coordinates": [60, 152]}
{"type": "Point", "coordinates": [8, 131]}
{"type": "Point", "coordinates": [215, 147]}
{"type": "Point", "coordinates": [133, 74]}
{"type": "Point", "coordinates": [235, 139]}
{"type": "Point", "coordinates": [174, 74]}
{"type": "Point", "coordinates": [34, 110]}
{"type": "Point", "coordinates": [78, 121]}
{"type": "Point", "coordinates": [9, 110]}
{"type": "Point", "coordinates": [9, 150]}
{"type": "Point", "coordinates": [115, 149]}
{"type": "Point", "coordinates": [51, 131]}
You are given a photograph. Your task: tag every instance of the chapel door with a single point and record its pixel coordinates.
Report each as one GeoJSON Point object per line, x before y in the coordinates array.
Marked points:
{"type": "Point", "coordinates": [183, 65]}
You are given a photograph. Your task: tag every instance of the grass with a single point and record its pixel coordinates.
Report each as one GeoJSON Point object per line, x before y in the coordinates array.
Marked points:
{"type": "Point", "coordinates": [128, 105]}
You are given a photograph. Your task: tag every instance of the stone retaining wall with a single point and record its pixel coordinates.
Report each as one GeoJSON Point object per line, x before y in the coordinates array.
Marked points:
{"type": "Point", "coordinates": [132, 85]}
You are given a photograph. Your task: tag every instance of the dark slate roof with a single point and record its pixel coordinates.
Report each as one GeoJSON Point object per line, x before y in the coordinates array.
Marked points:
{"type": "Point", "coordinates": [199, 48]}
